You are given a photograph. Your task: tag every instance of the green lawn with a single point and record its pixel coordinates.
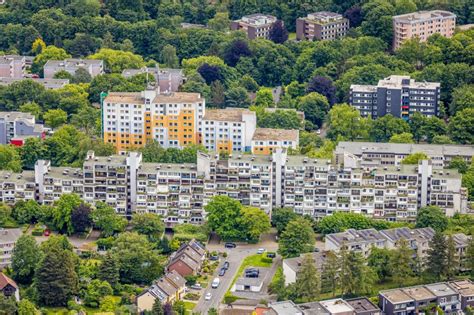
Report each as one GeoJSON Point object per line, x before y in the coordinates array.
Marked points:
{"type": "Point", "coordinates": [250, 261]}
{"type": "Point", "coordinates": [189, 305]}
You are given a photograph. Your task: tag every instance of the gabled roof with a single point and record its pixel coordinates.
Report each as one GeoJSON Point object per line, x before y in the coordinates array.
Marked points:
{"type": "Point", "coordinates": [184, 258]}
{"type": "Point", "coordinates": [175, 279]}
{"type": "Point", "coordinates": [5, 280]}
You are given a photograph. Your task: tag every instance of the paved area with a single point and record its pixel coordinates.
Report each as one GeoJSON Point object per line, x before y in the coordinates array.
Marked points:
{"type": "Point", "coordinates": [235, 257]}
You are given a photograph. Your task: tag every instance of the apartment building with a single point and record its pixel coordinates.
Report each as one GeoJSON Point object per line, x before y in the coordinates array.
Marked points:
{"type": "Point", "coordinates": [397, 95]}
{"type": "Point", "coordinates": [16, 186]}
{"type": "Point", "coordinates": [50, 84]}
{"type": "Point", "coordinates": [418, 299]}
{"type": "Point", "coordinates": [254, 25]}
{"type": "Point", "coordinates": [8, 238]}
{"type": "Point", "coordinates": [360, 241]}
{"type": "Point", "coordinates": [228, 130]}
{"type": "Point", "coordinates": [12, 66]}
{"type": "Point", "coordinates": [422, 24]}
{"type": "Point", "coordinates": [71, 65]}
{"type": "Point", "coordinates": [169, 80]}
{"type": "Point", "coordinates": [267, 140]}
{"type": "Point", "coordinates": [466, 291]}
{"type": "Point", "coordinates": [418, 239]}
{"type": "Point", "coordinates": [15, 127]}
{"type": "Point", "coordinates": [321, 26]}
{"type": "Point", "coordinates": [292, 266]}
{"type": "Point", "coordinates": [375, 154]}
{"type": "Point", "coordinates": [130, 120]}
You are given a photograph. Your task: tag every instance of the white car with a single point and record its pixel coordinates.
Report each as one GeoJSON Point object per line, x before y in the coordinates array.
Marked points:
{"type": "Point", "coordinates": [260, 250]}
{"type": "Point", "coordinates": [208, 296]}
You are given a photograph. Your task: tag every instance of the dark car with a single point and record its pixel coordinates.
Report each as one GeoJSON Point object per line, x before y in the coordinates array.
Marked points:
{"type": "Point", "coordinates": [230, 245]}
{"type": "Point", "coordinates": [251, 270]}
{"type": "Point", "coordinates": [316, 250]}
{"type": "Point", "coordinates": [251, 275]}
{"type": "Point", "coordinates": [222, 272]}
{"type": "Point", "coordinates": [226, 265]}
{"type": "Point", "coordinates": [214, 257]}
{"type": "Point", "coordinates": [271, 255]}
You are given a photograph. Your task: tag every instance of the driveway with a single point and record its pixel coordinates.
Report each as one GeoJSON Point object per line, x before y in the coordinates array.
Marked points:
{"type": "Point", "coordinates": [235, 257]}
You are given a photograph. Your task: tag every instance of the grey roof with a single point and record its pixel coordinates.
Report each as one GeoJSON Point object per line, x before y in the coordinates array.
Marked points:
{"type": "Point", "coordinates": [358, 148]}
{"type": "Point", "coordinates": [8, 236]}
{"type": "Point", "coordinates": [362, 304]}
{"type": "Point", "coordinates": [398, 81]}
{"type": "Point", "coordinates": [16, 115]}
{"type": "Point", "coordinates": [464, 287]}
{"type": "Point", "coordinates": [461, 240]}
{"type": "Point", "coordinates": [440, 289]}
{"type": "Point", "coordinates": [352, 236]}
{"type": "Point", "coordinates": [72, 63]}
{"type": "Point", "coordinates": [164, 73]}
{"type": "Point", "coordinates": [313, 308]}
{"type": "Point", "coordinates": [423, 16]}
{"type": "Point", "coordinates": [419, 293]}
{"type": "Point", "coordinates": [336, 306]}
{"type": "Point", "coordinates": [285, 308]}
{"type": "Point", "coordinates": [295, 263]}
{"type": "Point", "coordinates": [176, 279]}
{"type": "Point", "coordinates": [25, 177]}
{"type": "Point", "coordinates": [249, 281]}
{"type": "Point", "coordinates": [420, 234]}
{"type": "Point", "coordinates": [147, 168]}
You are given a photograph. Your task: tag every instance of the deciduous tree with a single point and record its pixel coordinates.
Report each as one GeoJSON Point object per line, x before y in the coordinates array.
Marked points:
{"type": "Point", "coordinates": [297, 238]}
{"type": "Point", "coordinates": [432, 216]}
{"type": "Point", "coordinates": [25, 258]}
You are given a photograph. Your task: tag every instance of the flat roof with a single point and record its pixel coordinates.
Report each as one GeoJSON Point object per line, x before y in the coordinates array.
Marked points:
{"type": "Point", "coordinates": [65, 173]}
{"type": "Point", "coordinates": [362, 304]}
{"type": "Point", "coordinates": [336, 306]}
{"type": "Point", "coordinates": [396, 296]}
{"type": "Point", "coordinates": [158, 167]}
{"type": "Point", "coordinates": [423, 15]}
{"type": "Point", "coordinates": [136, 98]}
{"type": "Point", "coordinates": [440, 289]}
{"type": "Point", "coordinates": [285, 308]}
{"type": "Point", "coordinates": [464, 287]}
{"type": "Point", "coordinates": [264, 134]}
{"type": "Point", "coordinates": [8, 236]}
{"type": "Point", "coordinates": [419, 234]}
{"type": "Point", "coordinates": [352, 236]}
{"type": "Point", "coordinates": [313, 308]}
{"type": "Point", "coordinates": [295, 263]}
{"type": "Point", "coordinates": [227, 114]}
{"type": "Point", "coordinates": [363, 88]}
{"type": "Point", "coordinates": [17, 178]}
{"type": "Point", "coordinates": [419, 293]}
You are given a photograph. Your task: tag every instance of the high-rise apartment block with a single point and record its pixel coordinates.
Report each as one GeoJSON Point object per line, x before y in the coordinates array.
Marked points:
{"type": "Point", "coordinates": [179, 192]}
{"type": "Point", "coordinates": [396, 95]}
{"type": "Point", "coordinates": [422, 25]}
{"type": "Point", "coordinates": [15, 127]}
{"type": "Point", "coordinates": [255, 25]}
{"type": "Point", "coordinates": [375, 154]}
{"type": "Point", "coordinates": [92, 66]}
{"type": "Point", "coordinates": [12, 66]}
{"type": "Point", "coordinates": [130, 120]}
{"type": "Point", "coordinates": [228, 130]}
{"type": "Point", "coordinates": [321, 26]}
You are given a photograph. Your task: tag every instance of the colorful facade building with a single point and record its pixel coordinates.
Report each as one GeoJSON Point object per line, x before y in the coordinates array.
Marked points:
{"type": "Point", "coordinates": [267, 140]}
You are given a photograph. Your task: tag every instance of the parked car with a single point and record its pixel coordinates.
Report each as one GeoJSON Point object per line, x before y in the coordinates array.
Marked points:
{"type": "Point", "coordinates": [214, 257]}
{"type": "Point", "coordinates": [196, 286]}
{"type": "Point", "coordinates": [252, 275]}
{"type": "Point", "coordinates": [316, 250]}
{"type": "Point", "coordinates": [226, 265]}
{"type": "Point", "coordinates": [260, 250]}
{"type": "Point", "coordinates": [47, 232]}
{"type": "Point", "coordinates": [215, 283]}
{"type": "Point", "coordinates": [251, 269]}
{"type": "Point", "coordinates": [208, 296]}
{"type": "Point", "coordinates": [222, 272]}
{"type": "Point", "coordinates": [271, 255]}
{"type": "Point", "coordinates": [230, 245]}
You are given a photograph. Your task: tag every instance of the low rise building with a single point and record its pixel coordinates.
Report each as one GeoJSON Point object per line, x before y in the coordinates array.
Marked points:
{"type": "Point", "coordinates": [12, 66]}
{"type": "Point", "coordinates": [292, 266]}
{"type": "Point", "coordinates": [16, 187]}
{"type": "Point", "coordinates": [418, 239]}
{"type": "Point", "coordinates": [15, 127]}
{"type": "Point", "coordinates": [49, 84]}
{"type": "Point", "coordinates": [228, 130]}
{"type": "Point", "coordinates": [422, 25]}
{"type": "Point", "coordinates": [255, 25]}
{"type": "Point", "coordinates": [337, 307]}
{"type": "Point", "coordinates": [360, 241]}
{"type": "Point", "coordinates": [169, 80]}
{"type": "Point", "coordinates": [267, 140]}
{"type": "Point", "coordinates": [375, 154]}
{"type": "Point", "coordinates": [396, 95]}
{"type": "Point", "coordinates": [71, 65]}
{"type": "Point", "coordinates": [8, 287]}
{"type": "Point", "coordinates": [284, 308]}
{"type": "Point", "coordinates": [8, 238]}
{"type": "Point", "coordinates": [363, 306]}
{"type": "Point", "coordinates": [188, 259]}
{"type": "Point", "coordinates": [465, 288]}
{"type": "Point", "coordinates": [321, 26]}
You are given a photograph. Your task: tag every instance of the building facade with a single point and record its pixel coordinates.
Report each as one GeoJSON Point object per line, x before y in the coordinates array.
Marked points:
{"type": "Point", "coordinates": [12, 66]}
{"type": "Point", "coordinates": [228, 130]}
{"type": "Point", "coordinates": [173, 120]}
{"type": "Point", "coordinates": [376, 154]}
{"type": "Point", "coordinates": [93, 67]}
{"type": "Point", "coordinates": [50, 84]}
{"type": "Point", "coordinates": [267, 140]}
{"type": "Point", "coordinates": [396, 95]}
{"type": "Point", "coordinates": [321, 26]}
{"type": "Point", "coordinates": [422, 25]}
{"type": "Point", "coordinates": [255, 25]}
{"type": "Point", "coordinates": [169, 80]}
{"type": "Point", "coordinates": [8, 238]}
{"type": "Point", "coordinates": [16, 126]}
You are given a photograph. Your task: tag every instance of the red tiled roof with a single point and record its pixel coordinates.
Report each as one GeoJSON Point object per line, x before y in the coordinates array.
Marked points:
{"type": "Point", "coordinates": [4, 280]}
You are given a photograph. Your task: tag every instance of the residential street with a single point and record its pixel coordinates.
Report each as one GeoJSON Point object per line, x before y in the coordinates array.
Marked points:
{"type": "Point", "coordinates": [234, 256]}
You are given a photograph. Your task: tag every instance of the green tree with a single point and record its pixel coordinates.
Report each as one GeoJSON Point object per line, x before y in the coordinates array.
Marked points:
{"type": "Point", "coordinates": [404, 137]}
{"type": "Point", "coordinates": [32, 108]}
{"type": "Point", "coordinates": [106, 220]}
{"type": "Point", "coordinates": [138, 262]}
{"type": "Point", "coordinates": [49, 53]}
{"type": "Point", "coordinates": [55, 118]}
{"type": "Point", "coordinates": [148, 224]}
{"type": "Point", "coordinates": [436, 260]}
{"type": "Point", "coordinates": [441, 139]}
{"type": "Point", "coordinates": [237, 97]}
{"type": "Point", "coordinates": [220, 22]}
{"type": "Point", "coordinates": [264, 97]}
{"type": "Point", "coordinates": [356, 277]}
{"type": "Point", "coordinates": [81, 218]}
{"type": "Point", "coordinates": [25, 258]}
{"type": "Point", "coordinates": [385, 127]}
{"type": "Point", "coordinates": [255, 222]}
{"type": "Point", "coordinates": [308, 280]}
{"type": "Point", "coordinates": [380, 261]}
{"type": "Point", "coordinates": [9, 158]}
{"type": "Point", "coordinates": [95, 291]}
{"type": "Point", "coordinates": [217, 94]}
{"type": "Point", "coordinates": [401, 263]}
{"type": "Point", "coordinates": [452, 259]}
{"type": "Point", "coordinates": [26, 211]}
{"type": "Point", "coordinates": [108, 304]}
{"type": "Point", "coordinates": [224, 216]}
{"type": "Point", "coordinates": [378, 19]}
{"type": "Point", "coordinates": [345, 123]}
{"type": "Point", "coordinates": [469, 258]}
{"type": "Point", "coordinates": [109, 270]}
{"type": "Point", "coordinates": [116, 60]}
{"type": "Point", "coordinates": [415, 158]}
{"type": "Point", "coordinates": [168, 56]}
{"type": "Point", "coordinates": [297, 238]}
{"type": "Point", "coordinates": [281, 217]}
{"type": "Point", "coordinates": [86, 119]}
{"type": "Point", "coordinates": [432, 216]}
{"type": "Point", "coordinates": [461, 126]}
{"type": "Point", "coordinates": [56, 278]}
{"type": "Point", "coordinates": [62, 212]}
{"type": "Point", "coordinates": [315, 107]}
{"type": "Point", "coordinates": [463, 97]}
{"type": "Point", "coordinates": [330, 273]}
{"type": "Point", "coordinates": [157, 308]}
{"type": "Point", "coordinates": [7, 305]}
{"type": "Point", "coordinates": [25, 307]}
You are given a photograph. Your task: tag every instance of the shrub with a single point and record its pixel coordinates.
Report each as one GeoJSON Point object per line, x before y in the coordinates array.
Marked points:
{"type": "Point", "coordinates": [266, 259]}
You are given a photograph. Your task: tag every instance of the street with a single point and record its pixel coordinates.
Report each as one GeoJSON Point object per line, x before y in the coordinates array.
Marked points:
{"type": "Point", "coordinates": [235, 257]}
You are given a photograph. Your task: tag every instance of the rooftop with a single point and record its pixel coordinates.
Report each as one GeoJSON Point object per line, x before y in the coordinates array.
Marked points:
{"type": "Point", "coordinates": [285, 308]}
{"type": "Point", "coordinates": [157, 167]}
{"type": "Point", "coordinates": [336, 306]}
{"type": "Point", "coordinates": [396, 296]}
{"type": "Point", "coordinates": [176, 279]}
{"type": "Point", "coordinates": [227, 114]}
{"type": "Point", "coordinates": [266, 134]}
{"type": "Point", "coordinates": [64, 173]}
{"type": "Point", "coordinates": [464, 287]}
{"type": "Point", "coordinates": [419, 293]}
{"type": "Point", "coordinates": [420, 234]}
{"type": "Point", "coordinates": [352, 236]}
{"type": "Point", "coordinates": [397, 81]}
{"type": "Point", "coordinates": [324, 17]}
{"type": "Point", "coordinates": [423, 15]}
{"type": "Point", "coordinates": [313, 308]}
{"type": "Point", "coordinates": [364, 88]}
{"type": "Point", "coordinates": [258, 19]}
{"type": "Point", "coordinates": [8, 236]}
{"type": "Point", "coordinates": [47, 83]}
{"type": "Point", "coordinates": [295, 263]}
{"type": "Point", "coordinates": [362, 305]}
{"type": "Point", "coordinates": [440, 289]}
{"type": "Point", "coordinates": [16, 115]}
{"type": "Point", "coordinates": [72, 63]}
{"type": "Point", "coordinates": [5, 280]}
{"type": "Point", "coordinates": [18, 178]}
{"type": "Point", "coordinates": [136, 98]}
{"type": "Point", "coordinates": [164, 73]}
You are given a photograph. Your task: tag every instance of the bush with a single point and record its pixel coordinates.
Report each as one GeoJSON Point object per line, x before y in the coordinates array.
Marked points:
{"type": "Point", "coordinates": [266, 259]}
{"type": "Point", "coordinates": [38, 230]}
{"type": "Point", "coordinates": [224, 254]}
{"type": "Point", "coordinates": [192, 296]}
{"type": "Point", "coordinates": [191, 279]}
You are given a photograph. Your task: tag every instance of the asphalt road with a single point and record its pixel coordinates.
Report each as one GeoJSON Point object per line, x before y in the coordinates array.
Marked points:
{"type": "Point", "coordinates": [235, 257]}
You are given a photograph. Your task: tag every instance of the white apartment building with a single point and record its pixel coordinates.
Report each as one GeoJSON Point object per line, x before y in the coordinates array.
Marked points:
{"type": "Point", "coordinates": [179, 192]}
{"type": "Point", "coordinates": [8, 238]}
{"type": "Point", "coordinates": [71, 65]}
{"type": "Point", "coordinates": [268, 140]}
{"type": "Point", "coordinates": [228, 130]}
{"type": "Point", "coordinates": [130, 120]}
